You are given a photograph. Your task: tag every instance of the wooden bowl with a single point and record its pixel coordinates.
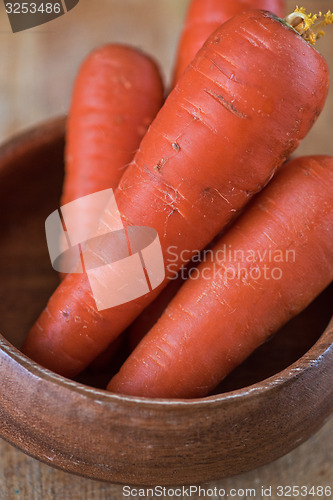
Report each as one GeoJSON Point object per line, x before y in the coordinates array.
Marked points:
{"type": "Point", "coordinates": [268, 406]}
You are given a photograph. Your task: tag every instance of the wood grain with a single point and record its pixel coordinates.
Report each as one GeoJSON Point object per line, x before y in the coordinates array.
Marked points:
{"type": "Point", "coordinates": [37, 71]}
{"type": "Point", "coordinates": [23, 478]}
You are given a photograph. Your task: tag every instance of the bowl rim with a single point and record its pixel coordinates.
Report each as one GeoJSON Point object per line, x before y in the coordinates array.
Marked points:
{"type": "Point", "coordinates": [285, 376]}
{"type": "Point", "coordinates": [55, 128]}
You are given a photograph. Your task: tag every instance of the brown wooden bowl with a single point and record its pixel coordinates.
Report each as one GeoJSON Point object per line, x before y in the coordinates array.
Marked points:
{"type": "Point", "coordinates": [268, 406]}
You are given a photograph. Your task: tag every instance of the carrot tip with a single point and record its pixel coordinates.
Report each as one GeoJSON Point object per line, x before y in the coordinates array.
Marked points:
{"type": "Point", "coordinates": [309, 26]}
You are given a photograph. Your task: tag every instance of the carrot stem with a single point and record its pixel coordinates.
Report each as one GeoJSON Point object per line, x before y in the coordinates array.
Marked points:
{"type": "Point", "coordinates": [309, 26]}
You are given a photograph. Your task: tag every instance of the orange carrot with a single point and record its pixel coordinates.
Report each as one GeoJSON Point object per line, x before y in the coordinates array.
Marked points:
{"type": "Point", "coordinates": [205, 16]}
{"type": "Point", "coordinates": [117, 93]}
{"type": "Point", "coordinates": [252, 93]}
{"type": "Point", "coordinates": [270, 265]}
{"type": "Point", "coordinates": [150, 315]}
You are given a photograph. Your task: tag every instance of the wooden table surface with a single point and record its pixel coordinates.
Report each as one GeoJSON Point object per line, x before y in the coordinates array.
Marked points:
{"type": "Point", "coordinates": [37, 68]}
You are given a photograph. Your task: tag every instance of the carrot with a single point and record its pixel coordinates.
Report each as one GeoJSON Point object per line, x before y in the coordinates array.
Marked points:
{"type": "Point", "coordinates": [150, 315]}
{"type": "Point", "coordinates": [271, 264]}
{"type": "Point", "coordinates": [205, 16]}
{"type": "Point", "coordinates": [117, 93]}
{"type": "Point", "coordinates": [251, 95]}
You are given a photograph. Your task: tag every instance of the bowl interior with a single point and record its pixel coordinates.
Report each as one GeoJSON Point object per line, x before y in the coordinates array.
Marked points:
{"type": "Point", "coordinates": [31, 176]}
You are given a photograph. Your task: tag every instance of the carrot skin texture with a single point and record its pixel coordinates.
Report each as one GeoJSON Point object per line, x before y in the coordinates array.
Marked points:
{"type": "Point", "coordinates": [252, 93]}
{"type": "Point", "coordinates": [117, 93]}
{"type": "Point", "coordinates": [204, 17]}
{"type": "Point", "coordinates": [212, 325]}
